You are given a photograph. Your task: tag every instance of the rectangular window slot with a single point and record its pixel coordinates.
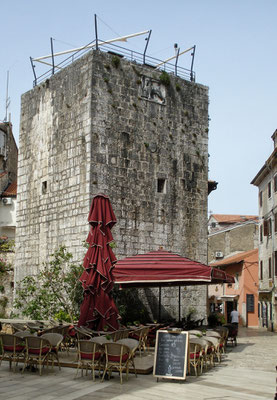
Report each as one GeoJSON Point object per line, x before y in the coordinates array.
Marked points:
{"type": "Point", "coordinates": [161, 186]}
{"type": "Point", "coordinates": [44, 187]}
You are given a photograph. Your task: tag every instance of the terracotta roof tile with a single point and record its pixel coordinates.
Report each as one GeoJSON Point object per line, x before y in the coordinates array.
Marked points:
{"type": "Point", "coordinates": [11, 190]}
{"type": "Point", "coordinates": [236, 258]}
{"type": "Point", "coordinates": [228, 218]}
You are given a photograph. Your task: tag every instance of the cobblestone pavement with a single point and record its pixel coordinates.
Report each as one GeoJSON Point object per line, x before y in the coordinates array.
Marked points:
{"type": "Point", "coordinates": [246, 372]}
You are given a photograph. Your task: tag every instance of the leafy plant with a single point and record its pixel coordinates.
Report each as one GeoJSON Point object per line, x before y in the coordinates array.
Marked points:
{"type": "Point", "coordinates": [164, 78]}
{"type": "Point", "coordinates": [115, 61]}
{"type": "Point", "coordinates": [129, 306]}
{"type": "Point", "coordinates": [7, 246]}
{"type": "Point", "coordinates": [4, 266]}
{"type": "Point", "coordinates": [3, 302]}
{"type": "Point", "coordinates": [55, 291]}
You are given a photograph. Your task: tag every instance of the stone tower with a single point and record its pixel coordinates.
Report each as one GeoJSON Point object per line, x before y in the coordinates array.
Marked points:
{"type": "Point", "coordinates": [106, 124]}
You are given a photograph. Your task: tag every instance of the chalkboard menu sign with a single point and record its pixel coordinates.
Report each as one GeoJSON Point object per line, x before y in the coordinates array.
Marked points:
{"type": "Point", "coordinates": [171, 354]}
{"type": "Point", "coordinates": [250, 302]}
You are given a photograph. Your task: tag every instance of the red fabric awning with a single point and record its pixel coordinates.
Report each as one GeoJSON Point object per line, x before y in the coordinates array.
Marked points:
{"type": "Point", "coordinates": [162, 268]}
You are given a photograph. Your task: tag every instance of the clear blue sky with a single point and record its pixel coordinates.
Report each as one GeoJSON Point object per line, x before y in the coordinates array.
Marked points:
{"type": "Point", "coordinates": [236, 57]}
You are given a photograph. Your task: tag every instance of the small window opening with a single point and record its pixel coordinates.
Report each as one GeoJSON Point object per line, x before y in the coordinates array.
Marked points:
{"type": "Point", "coordinates": [161, 187]}
{"type": "Point", "coordinates": [44, 187]}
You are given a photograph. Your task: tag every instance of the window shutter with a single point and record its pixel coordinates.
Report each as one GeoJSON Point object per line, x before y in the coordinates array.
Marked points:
{"type": "Point", "coordinates": [265, 228]}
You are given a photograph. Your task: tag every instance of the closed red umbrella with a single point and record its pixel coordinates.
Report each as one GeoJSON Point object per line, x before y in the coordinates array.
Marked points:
{"type": "Point", "coordinates": [98, 308]}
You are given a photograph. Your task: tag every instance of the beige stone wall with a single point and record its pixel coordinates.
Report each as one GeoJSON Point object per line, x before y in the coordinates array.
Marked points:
{"type": "Point", "coordinates": [228, 241]}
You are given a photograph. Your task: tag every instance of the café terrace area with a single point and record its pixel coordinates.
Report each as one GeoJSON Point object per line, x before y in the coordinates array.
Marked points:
{"type": "Point", "coordinates": [244, 371]}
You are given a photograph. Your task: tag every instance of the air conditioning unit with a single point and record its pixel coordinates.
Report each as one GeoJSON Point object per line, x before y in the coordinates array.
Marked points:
{"type": "Point", "coordinates": [218, 254]}
{"type": "Point", "coordinates": [7, 200]}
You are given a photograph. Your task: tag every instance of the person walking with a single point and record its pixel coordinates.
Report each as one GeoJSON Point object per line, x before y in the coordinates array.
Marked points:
{"type": "Point", "coordinates": [235, 317]}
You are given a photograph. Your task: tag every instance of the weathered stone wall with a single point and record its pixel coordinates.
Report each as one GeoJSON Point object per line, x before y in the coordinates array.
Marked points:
{"type": "Point", "coordinates": [105, 124]}
{"type": "Point", "coordinates": [12, 154]}
{"type": "Point", "coordinates": [9, 162]}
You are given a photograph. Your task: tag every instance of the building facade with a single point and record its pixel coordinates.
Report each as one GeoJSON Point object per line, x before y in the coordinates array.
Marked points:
{"type": "Point", "coordinates": [266, 181]}
{"type": "Point", "coordinates": [116, 128]}
{"type": "Point", "coordinates": [241, 295]}
{"type": "Point", "coordinates": [225, 240]}
{"type": "Point", "coordinates": [8, 176]}
{"type": "Point", "coordinates": [233, 246]}
{"type": "Point", "coordinates": [8, 181]}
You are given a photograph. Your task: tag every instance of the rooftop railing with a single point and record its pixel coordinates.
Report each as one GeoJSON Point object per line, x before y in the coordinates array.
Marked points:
{"type": "Point", "coordinates": [131, 55]}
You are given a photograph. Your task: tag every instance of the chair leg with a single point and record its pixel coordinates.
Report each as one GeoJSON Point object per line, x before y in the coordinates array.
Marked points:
{"type": "Point", "coordinates": [93, 373]}
{"type": "Point", "coordinates": [104, 373]}
{"type": "Point", "coordinates": [133, 364]}
{"type": "Point", "coordinates": [127, 371]}
{"type": "Point", "coordinates": [120, 373]}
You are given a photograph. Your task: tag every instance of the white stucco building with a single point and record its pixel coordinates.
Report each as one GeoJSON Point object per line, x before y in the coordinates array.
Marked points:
{"type": "Point", "coordinates": [266, 181]}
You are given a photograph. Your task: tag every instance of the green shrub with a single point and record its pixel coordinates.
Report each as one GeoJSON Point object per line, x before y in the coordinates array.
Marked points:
{"type": "Point", "coordinates": [115, 61]}
{"type": "Point", "coordinates": [129, 306]}
{"type": "Point", "coordinates": [56, 290]}
{"type": "Point", "coordinates": [164, 78]}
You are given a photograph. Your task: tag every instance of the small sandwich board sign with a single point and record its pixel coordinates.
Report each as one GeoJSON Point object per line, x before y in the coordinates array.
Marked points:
{"type": "Point", "coordinates": [171, 351]}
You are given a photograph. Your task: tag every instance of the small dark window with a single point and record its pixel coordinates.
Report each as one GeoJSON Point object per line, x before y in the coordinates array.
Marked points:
{"type": "Point", "coordinates": [161, 187]}
{"type": "Point", "coordinates": [269, 268]}
{"type": "Point", "coordinates": [261, 233]}
{"type": "Point", "coordinates": [261, 271]}
{"type": "Point", "coordinates": [250, 302]}
{"type": "Point", "coordinates": [275, 222]}
{"type": "Point", "coordinates": [269, 189]}
{"type": "Point", "coordinates": [275, 262]}
{"type": "Point", "coordinates": [266, 228]}
{"type": "Point", "coordinates": [44, 187]}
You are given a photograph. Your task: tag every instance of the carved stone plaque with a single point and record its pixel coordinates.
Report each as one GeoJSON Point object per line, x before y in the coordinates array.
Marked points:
{"type": "Point", "coordinates": [152, 90]}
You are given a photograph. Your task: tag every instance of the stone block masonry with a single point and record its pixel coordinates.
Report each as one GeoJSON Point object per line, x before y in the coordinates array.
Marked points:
{"type": "Point", "coordinates": [105, 124]}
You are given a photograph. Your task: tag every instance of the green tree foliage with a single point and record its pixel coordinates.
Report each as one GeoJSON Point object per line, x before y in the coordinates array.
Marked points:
{"type": "Point", "coordinates": [129, 306]}
{"type": "Point", "coordinates": [55, 292]}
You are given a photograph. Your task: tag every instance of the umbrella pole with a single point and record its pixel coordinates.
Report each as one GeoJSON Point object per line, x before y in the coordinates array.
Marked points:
{"type": "Point", "coordinates": [160, 301]}
{"type": "Point", "coordinates": [179, 303]}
